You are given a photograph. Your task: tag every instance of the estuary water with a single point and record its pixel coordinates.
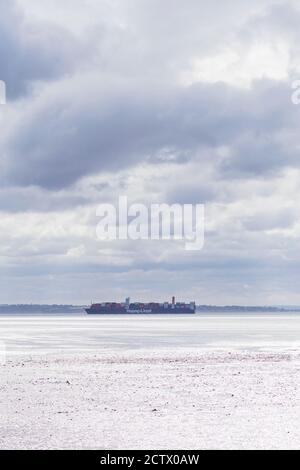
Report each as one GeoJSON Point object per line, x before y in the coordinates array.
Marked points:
{"type": "Point", "coordinates": [36, 334]}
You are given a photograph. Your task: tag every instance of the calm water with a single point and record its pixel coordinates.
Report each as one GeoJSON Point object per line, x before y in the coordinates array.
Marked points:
{"type": "Point", "coordinates": [55, 333]}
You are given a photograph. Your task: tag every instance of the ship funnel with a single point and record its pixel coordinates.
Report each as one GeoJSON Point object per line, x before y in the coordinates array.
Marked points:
{"type": "Point", "coordinates": [173, 300]}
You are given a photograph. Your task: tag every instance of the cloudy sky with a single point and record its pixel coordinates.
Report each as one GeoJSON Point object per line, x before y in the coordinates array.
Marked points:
{"type": "Point", "coordinates": [162, 101]}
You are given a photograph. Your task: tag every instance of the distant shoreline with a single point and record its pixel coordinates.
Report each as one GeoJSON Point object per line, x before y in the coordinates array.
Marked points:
{"type": "Point", "coordinates": [62, 308]}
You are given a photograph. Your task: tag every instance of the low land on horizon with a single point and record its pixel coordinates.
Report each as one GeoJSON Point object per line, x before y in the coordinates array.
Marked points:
{"type": "Point", "coordinates": [65, 308]}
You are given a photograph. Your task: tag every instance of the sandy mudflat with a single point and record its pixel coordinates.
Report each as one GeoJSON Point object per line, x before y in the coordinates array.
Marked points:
{"type": "Point", "coordinates": [172, 400]}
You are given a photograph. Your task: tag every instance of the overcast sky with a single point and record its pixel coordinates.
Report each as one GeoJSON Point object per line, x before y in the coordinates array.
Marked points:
{"type": "Point", "coordinates": [163, 101]}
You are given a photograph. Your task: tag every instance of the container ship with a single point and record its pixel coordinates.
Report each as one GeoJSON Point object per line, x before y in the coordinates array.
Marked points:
{"type": "Point", "coordinates": [114, 308]}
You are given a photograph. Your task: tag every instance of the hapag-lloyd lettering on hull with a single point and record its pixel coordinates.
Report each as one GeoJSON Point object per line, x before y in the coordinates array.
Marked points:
{"type": "Point", "coordinates": [160, 222]}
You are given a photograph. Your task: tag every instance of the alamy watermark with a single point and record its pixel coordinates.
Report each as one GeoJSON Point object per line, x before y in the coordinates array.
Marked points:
{"type": "Point", "coordinates": [156, 222]}
{"type": "Point", "coordinates": [2, 92]}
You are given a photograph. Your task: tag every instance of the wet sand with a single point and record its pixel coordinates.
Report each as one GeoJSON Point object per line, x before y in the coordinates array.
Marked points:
{"type": "Point", "coordinates": [142, 400]}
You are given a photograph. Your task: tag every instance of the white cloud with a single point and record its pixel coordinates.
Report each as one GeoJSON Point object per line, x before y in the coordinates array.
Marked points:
{"type": "Point", "coordinates": [240, 67]}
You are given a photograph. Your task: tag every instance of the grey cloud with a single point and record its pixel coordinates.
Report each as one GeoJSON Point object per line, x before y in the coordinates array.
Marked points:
{"type": "Point", "coordinates": [191, 193]}
{"type": "Point", "coordinates": [33, 199]}
{"type": "Point", "coordinates": [255, 155]}
{"type": "Point", "coordinates": [82, 126]}
{"type": "Point", "coordinates": [266, 220]}
{"type": "Point", "coordinates": [34, 51]}
{"type": "Point", "coordinates": [85, 126]}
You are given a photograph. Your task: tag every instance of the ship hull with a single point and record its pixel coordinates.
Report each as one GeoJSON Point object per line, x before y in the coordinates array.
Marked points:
{"type": "Point", "coordinates": [94, 311]}
{"type": "Point", "coordinates": [139, 308]}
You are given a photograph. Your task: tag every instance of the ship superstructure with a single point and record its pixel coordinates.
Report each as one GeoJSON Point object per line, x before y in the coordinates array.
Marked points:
{"type": "Point", "coordinates": [109, 308]}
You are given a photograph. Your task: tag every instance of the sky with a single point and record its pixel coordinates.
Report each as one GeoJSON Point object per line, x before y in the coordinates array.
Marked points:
{"type": "Point", "coordinates": [164, 102]}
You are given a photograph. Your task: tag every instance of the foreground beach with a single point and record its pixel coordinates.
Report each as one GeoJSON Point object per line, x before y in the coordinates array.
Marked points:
{"type": "Point", "coordinates": [169, 399]}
